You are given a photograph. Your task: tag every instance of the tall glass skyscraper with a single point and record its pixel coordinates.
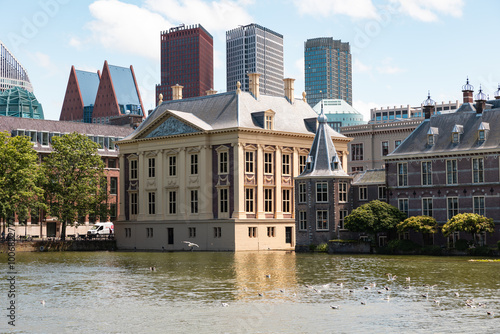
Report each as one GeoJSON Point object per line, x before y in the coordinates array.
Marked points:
{"type": "Point", "coordinates": [328, 70]}
{"type": "Point", "coordinates": [255, 49]}
{"type": "Point", "coordinates": [12, 73]}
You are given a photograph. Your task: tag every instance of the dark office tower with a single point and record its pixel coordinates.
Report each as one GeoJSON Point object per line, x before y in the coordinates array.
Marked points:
{"type": "Point", "coordinates": [255, 49]}
{"type": "Point", "coordinates": [328, 70]}
{"type": "Point", "coordinates": [187, 59]}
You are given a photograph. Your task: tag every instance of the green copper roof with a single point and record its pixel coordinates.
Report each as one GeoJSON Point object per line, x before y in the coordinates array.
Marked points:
{"type": "Point", "coordinates": [18, 102]}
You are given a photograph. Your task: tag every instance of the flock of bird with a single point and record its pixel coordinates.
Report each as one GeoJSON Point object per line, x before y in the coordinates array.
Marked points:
{"type": "Point", "coordinates": [424, 291]}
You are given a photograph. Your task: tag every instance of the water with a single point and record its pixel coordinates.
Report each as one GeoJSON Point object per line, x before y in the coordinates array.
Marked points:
{"type": "Point", "coordinates": [115, 292]}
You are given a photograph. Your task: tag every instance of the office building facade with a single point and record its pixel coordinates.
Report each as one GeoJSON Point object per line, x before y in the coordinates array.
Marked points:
{"type": "Point", "coordinates": [328, 70]}
{"type": "Point", "coordinates": [12, 73]}
{"type": "Point", "coordinates": [255, 49]}
{"type": "Point", "coordinates": [187, 59]}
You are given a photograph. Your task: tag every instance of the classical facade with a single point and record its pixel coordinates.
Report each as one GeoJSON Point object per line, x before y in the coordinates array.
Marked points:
{"type": "Point", "coordinates": [218, 171]}
{"type": "Point", "coordinates": [450, 164]}
{"type": "Point", "coordinates": [41, 133]}
{"type": "Point", "coordinates": [322, 197]}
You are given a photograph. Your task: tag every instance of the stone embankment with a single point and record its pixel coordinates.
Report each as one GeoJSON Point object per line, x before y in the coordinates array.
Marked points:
{"type": "Point", "coordinates": [59, 245]}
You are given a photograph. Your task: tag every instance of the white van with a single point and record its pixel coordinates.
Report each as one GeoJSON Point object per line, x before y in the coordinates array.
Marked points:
{"type": "Point", "coordinates": [101, 229]}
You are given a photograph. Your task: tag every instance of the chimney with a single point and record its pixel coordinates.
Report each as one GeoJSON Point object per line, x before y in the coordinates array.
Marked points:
{"type": "Point", "coordinates": [480, 101]}
{"type": "Point", "coordinates": [289, 90]}
{"type": "Point", "coordinates": [254, 84]}
{"type": "Point", "coordinates": [467, 90]}
{"type": "Point", "coordinates": [211, 92]}
{"type": "Point", "coordinates": [177, 92]}
{"type": "Point", "coordinates": [428, 106]}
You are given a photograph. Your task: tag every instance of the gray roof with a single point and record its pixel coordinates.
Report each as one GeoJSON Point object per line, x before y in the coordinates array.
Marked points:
{"type": "Point", "coordinates": [369, 177]}
{"type": "Point", "coordinates": [464, 118]}
{"type": "Point", "coordinates": [232, 110]}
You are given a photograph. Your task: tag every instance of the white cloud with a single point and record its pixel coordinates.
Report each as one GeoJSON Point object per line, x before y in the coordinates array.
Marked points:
{"type": "Point", "coordinates": [213, 15]}
{"type": "Point", "coordinates": [127, 28]}
{"type": "Point", "coordinates": [356, 9]}
{"type": "Point", "coordinates": [388, 67]}
{"type": "Point", "coordinates": [45, 62]}
{"type": "Point", "coordinates": [429, 10]}
{"type": "Point", "coordinates": [359, 67]}
{"type": "Point", "coordinates": [364, 108]}
{"type": "Point", "coordinates": [75, 42]}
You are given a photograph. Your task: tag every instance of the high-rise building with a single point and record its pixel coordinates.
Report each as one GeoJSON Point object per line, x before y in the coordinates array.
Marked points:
{"type": "Point", "coordinates": [187, 59]}
{"type": "Point", "coordinates": [12, 73]}
{"type": "Point", "coordinates": [255, 49]}
{"type": "Point", "coordinates": [328, 70]}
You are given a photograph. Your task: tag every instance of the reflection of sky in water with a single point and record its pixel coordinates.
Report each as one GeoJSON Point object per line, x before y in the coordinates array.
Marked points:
{"type": "Point", "coordinates": [116, 292]}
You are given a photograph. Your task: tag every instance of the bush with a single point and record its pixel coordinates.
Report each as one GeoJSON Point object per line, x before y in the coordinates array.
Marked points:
{"type": "Point", "coordinates": [461, 245]}
{"type": "Point", "coordinates": [312, 247]}
{"type": "Point", "coordinates": [403, 245]}
{"type": "Point", "coordinates": [479, 251]}
{"type": "Point", "coordinates": [322, 248]}
{"type": "Point", "coordinates": [432, 250]}
{"type": "Point", "coordinates": [498, 244]}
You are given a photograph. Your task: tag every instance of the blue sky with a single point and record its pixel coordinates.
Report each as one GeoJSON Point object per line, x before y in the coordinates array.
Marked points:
{"type": "Point", "coordinates": [400, 48]}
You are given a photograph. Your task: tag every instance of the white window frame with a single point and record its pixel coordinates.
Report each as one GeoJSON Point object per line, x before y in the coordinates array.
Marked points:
{"type": "Point", "coordinates": [402, 207]}
{"type": "Point", "coordinates": [302, 220]}
{"type": "Point", "coordinates": [250, 162]}
{"type": "Point", "coordinates": [268, 163]}
{"type": "Point", "coordinates": [152, 202]}
{"type": "Point", "coordinates": [402, 174]}
{"type": "Point", "coordinates": [342, 192]}
{"type": "Point", "coordinates": [286, 200]}
{"type": "Point", "coordinates": [249, 200]}
{"type": "Point", "coordinates": [286, 164]}
{"type": "Point", "coordinates": [363, 193]}
{"type": "Point", "coordinates": [268, 200]}
{"type": "Point", "coordinates": [477, 170]}
{"type": "Point", "coordinates": [322, 192]}
{"type": "Point", "coordinates": [224, 201]}
{"type": "Point", "coordinates": [426, 172]}
{"type": "Point", "coordinates": [172, 165]}
{"type": "Point", "coordinates": [172, 202]}
{"type": "Point", "coordinates": [322, 224]}
{"type": "Point", "coordinates": [342, 215]}
{"type": "Point", "coordinates": [479, 205]}
{"type": "Point", "coordinates": [453, 173]}
{"type": "Point", "coordinates": [450, 209]}
{"type": "Point", "coordinates": [427, 206]}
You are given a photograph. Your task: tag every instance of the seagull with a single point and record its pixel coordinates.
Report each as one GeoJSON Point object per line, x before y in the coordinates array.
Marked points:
{"type": "Point", "coordinates": [351, 290]}
{"type": "Point", "coordinates": [152, 268]}
{"type": "Point", "coordinates": [489, 313]}
{"type": "Point", "coordinates": [367, 287]}
{"type": "Point", "coordinates": [282, 290]}
{"type": "Point", "coordinates": [42, 302]}
{"type": "Point", "coordinates": [268, 276]}
{"type": "Point", "coordinates": [191, 244]}
{"type": "Point", "coordinates": [436, 301]}
{"type": "Point", "coordinates": [363, 303]}
{"type": "Point", "coordinates": [391, 278]}
{"type": "Point", "coordinates": [340, 284]}
{"type": "Point", "coordinates": [387, 288]}
{"type": "Point", "coordinates": [335, 307]}
{"type": "Point", "coordinates": [408, 279]}
{"type": "Point", "coordinates": [260, 294]}
{"type": "Point", "coordinates": [224, 304]}
{"type": "Point", "coordinates": [457, 294]}
{"type": "Point", "coordinates": [326, 285]}
{"type": "Point", "coordinates": [380, 291]}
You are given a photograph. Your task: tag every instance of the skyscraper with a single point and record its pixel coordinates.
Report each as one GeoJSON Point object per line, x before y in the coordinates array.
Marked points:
{"type": "Point", "coordinates": [328, 70]}
{"type": "Point", "coordinates": [187, 59]}
{"type": "Point", "coordinates": [12, 73]}
{"type": "Point", "coordinates": [255, 49]}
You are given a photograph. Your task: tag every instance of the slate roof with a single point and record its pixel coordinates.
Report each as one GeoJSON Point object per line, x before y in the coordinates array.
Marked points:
{"type": "Point", "coordinates": [465, 116]}
{"type": "Point", "coordinates": [232, 110]}
{"type": "Point", "coordinates": [369, 177]}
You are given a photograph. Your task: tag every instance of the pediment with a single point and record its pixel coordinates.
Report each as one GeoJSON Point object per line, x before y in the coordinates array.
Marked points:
{"type": "Point", "coordinates": [171, 126]}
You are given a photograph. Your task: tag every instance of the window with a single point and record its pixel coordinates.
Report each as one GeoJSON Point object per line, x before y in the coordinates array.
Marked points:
{"type": "Point", "coordinates": [286, 201]}
{"type": "Point", "coordinates": [302, 220]}
{"type": "Point", "coordinates": [45, 139]}
{"type": "Point", "coordinates": [223, 200]}
{"type": "Point", "coordinates": [426, 173]}
{"type": "Point", "coordinates": [342, 192]}
{"type": "Point", "coordinates": [223, 160]}
{"type": "Point", "coordinates": [403, 205]}
{"type": "Point", "coordinates": [151, 197]}
{"type": "Point", "coordinates": [249, 200]}
{"type": "Point", "coordinates": [111, 163]}
{"type": "Point", "coordinates": [363, 193]}
{"type": "Point", "coordinates": [286, 164]}
{"type": "Point", "coordinates": [397, 143]}
{"type": "Point", "coordinates": [427, 206]}
{"type": "Point", "coordinates": [302, 162]}
{"type": "Point", "coordinates": [133, 169]}
{"type": "Point", "coordinates": [481, 135]}
{"type": "Point", "coordinates": [430, 140]}
{"type": "Point", "coordinates": [113, 185]}
{"type": "Point", "coordinates": [111, 144]}
{"type": "Point", "coordinates": [357, 152]}
{"type": "Point", "coordinates": [451, 172]}
{"type": "Point", "coordinates": [385, 148]}
{"type": "Point", "coordinates": [382, 192]}
{"type": "Point", "coordinates": [269, 122]}
{"type": "Point", "coordinates": [477, 170]}
{"type": "Point", "coordinates": [100, 142]}
{"type": "Point", "coordinates": [194, 164]}
{"type": "Point", "coordinates": [321, 192]}
{"type": "Point", "coordinates": [268, 200]}
{"type": "Point", "coordinates": [217, 232]}
{"type": "Point", "coordinates": [322, 220]}
{"type": "Point", "coordinates": [112, 211]}
{"type": "Point", "coordinates": [478, 202]}
{"type": "Point", "coordinates": [452, 205]}
{"type": "Point", "coordinates": [128, 232]}
{"type": "Point", "coordinates": [172, 202]}
{"type": "Point", "coordinates": [402, 174]}
{"type": "Point", "coordinates": [133, 204]}
{"type": "Point", "coordinates": [172, 165]}
{"type": "Point", "coordinates": [192, 232]}
{"type": "Point", "coordinates": [252, 232]}
{"type": "Point", "coordinates": [249, 162]}
{"type": "Point", "coordinates": [271, 231]}
{"type": "Point", "coordinates": [342, 215]}
{"type": "Point", "coordinates": [194, 201]}
{"type": "Point", "coordinates": [149, 232]}
{"type": "Point", "coordinates": [151, 167]}
{"type": "Point", "coordinates": [356, 169]}
{"type": "Point", "coordinates": [170, 235]}
{"type": "Point", "coordinates": [455, 137]}
{"type": "Point", "coordinates": [268, 163]}
{"type": "Point", "coordinates": [302, 193]}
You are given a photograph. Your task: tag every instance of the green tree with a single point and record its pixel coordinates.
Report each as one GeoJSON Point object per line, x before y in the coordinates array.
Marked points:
{"type": "Point", "coordinates": [20, 178]}
{"type": "Point", "coordinates": [374, 217]}
{"type": "Point", "coordinates": [75, 180]}
{"type": "Point", "coordinates": [470, 223]}
{"type": "Point", "coordinates": [422, 224]}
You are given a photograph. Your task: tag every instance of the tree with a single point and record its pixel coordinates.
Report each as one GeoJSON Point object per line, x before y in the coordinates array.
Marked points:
{"type": "Point", "coordinates": [374, 217]}
{"type": "Point", "coordinates": [422, 224]}
{"type": "Point", "coordinates": [470, 223]}
{"type": "Point", "coordinates": [20, 178]}
{"type": "Point", "coordinates": [75, 179]}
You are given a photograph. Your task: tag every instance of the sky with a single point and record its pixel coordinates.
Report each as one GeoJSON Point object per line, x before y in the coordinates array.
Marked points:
{"type": "Point", "coordinates": [401, 49]}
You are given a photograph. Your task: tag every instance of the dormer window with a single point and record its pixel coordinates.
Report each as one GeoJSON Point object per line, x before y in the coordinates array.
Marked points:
{"type": "Point", "coordinates": [455, 137]}
{"type": "Point", "coordinates": [430, 140]}
{"type": "Point", "coordinates": [456, 132]}
{"type": "Point", "coordinates": [433, 131]}
{"type": "Point", "coordinates": [269, 122]}
{"type": "Point", "coordinates": [481, 135]}
{"type": "Point", "coordinates": [482, 131]}
{"type": "Point", "coordinates": [309, 162]}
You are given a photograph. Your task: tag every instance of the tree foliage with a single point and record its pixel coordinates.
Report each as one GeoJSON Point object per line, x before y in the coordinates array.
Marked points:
{"type": "Point", "coordinates": [422, 224]}
{"type": "Point", "coordinates": [75, 180]}
{"type": "Point", "coordinates": [470, 223]}
{"type": "Point", "coordinates": [20, 178]}
{"type": "Point", "coordinates": [374, 217]}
